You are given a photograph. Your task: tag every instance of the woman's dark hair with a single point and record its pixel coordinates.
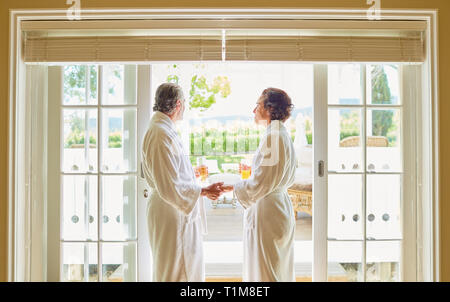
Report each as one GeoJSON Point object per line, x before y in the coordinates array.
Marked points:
{"type": "Point", "coordinates": [278, 103]}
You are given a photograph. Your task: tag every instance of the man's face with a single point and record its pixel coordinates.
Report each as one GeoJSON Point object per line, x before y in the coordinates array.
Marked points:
{"type": "Point", "coordinates": [181, 111]}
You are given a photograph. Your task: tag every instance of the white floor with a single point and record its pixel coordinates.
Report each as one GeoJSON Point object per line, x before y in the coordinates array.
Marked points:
{"type": "Point", "coordinates": [224, 259]}
{"type": "Point", "coordinates": [232, 251]}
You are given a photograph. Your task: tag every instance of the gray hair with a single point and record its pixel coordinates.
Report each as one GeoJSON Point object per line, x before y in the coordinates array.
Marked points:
{"type": "Point", "coordinates": [166, 97]}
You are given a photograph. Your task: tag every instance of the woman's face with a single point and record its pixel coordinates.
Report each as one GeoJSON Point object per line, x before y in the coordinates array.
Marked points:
{"type": "Point", "coordinates": [262, 115]}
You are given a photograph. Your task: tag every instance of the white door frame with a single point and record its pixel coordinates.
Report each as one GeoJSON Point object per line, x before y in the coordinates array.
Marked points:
{"type": "Point", "coordinates": [17, 172]}
{"type": "Point", "coordinates": [143, 117]}
{"type": "Point", "coordinates": [320, 168]}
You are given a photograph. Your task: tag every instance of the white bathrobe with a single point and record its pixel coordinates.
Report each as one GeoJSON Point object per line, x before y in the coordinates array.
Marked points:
{"type": "Point", "coordinates": [269, 222]}
{"type": "Point", "coordinates": [176, 215]}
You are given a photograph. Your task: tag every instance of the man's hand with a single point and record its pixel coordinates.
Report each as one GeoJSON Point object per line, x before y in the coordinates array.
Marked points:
{"type": "Point", "coordinates": [226, 188]}
{"type": "Point", "coordinates": [213, 191]}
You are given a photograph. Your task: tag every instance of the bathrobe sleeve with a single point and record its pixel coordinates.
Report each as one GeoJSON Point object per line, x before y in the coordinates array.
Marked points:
{"type": "Point", "coordinates": [163, 160]}
{"type": "Point", "coordinates": [267, 173]}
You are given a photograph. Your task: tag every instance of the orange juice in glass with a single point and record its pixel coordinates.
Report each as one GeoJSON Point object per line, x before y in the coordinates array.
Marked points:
{"type": "Point", "coordinates": [245, 173]}
{"type": "Point", "coordinates": [203, 172]}
{"type": "Point", "coordinates": [202, 168]}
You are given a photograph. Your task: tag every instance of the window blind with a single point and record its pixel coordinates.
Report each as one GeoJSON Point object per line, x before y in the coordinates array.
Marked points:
{"type": "Point", "coordinates": [242, 41]}
{"type": "Point", "coordinates": [325, 48]}
{"type": "Point", "coordinates": [122, 48]}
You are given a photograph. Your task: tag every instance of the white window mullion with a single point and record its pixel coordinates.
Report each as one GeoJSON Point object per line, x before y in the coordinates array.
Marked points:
{"type": "Point", "coordinates": [99, 169]}
{"type": "Point", "coordinates": [365, 86]}
{"type": "Point", "coordinates": [86, 179]}
{"type": "Point", "coordinates": [320, 192]}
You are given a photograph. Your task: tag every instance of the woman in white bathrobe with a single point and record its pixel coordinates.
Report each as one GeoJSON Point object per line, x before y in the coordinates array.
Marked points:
{"type": "Point", "coordinates": [269, 222]}
{"type": "Point", "coordinates": [175, 212]}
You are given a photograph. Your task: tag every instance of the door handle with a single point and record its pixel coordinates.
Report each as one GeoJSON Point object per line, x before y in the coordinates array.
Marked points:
{"type": "Point", "coordinates": [321, 168]}
{"type": "Point", "coordinates": [145, 193]}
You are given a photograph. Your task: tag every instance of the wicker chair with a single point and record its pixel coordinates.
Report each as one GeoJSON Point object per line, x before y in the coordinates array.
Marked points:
{"type": "Point", "coordinates": [372, 141]}
{"type": "Point", "coordinates": [301, 197]}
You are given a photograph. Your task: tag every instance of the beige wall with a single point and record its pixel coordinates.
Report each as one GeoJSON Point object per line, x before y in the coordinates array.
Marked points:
{"type": "Point", "coordinates": [444, 67]}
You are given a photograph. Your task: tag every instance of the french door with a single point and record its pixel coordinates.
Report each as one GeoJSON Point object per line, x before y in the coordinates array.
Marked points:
{"type": "Point", "coordinates": [97, 114]}
{"type": "Point", "coordinates": [364, 196]}
{"type": "Point", "coordinates": [363, 121]}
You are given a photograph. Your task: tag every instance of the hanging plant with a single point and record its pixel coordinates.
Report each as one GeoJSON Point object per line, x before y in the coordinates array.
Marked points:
{"type": "Point", "coordinates": [202, 94]}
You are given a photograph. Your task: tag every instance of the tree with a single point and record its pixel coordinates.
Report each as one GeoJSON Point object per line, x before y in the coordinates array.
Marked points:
{"type": "Point", "coordinates": [381, 94]}
{"type": "Point", "coordinates": [75, 81]}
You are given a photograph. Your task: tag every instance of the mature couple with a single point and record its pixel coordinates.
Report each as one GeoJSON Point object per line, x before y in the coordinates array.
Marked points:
{"type": "Point", "coordinates": [176, 214]}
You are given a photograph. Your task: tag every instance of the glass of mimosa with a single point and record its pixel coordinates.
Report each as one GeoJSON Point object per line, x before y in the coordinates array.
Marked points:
{"type": "Point", "coordinates": [245, 169]}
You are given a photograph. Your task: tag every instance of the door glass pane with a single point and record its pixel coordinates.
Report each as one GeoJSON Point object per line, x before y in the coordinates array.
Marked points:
{"type": "Point", "coordinates": [383, 140]}
{"type": "Point", "coordinates": [383, 207]}
{"type": "Point", "coordinates": [79, 126]}
{"type": "Point", "coordinates": [79, 262]}
{"type": "Point", "coordinates": [384, 81]}
{"type": "Point", "coordinates": [119, 140]}
{"type": "Point", "coordinates": [119, 84]}
{"type": "Point", "coordinates": [119, 262]}
{"type": "Point", "coordinates": [345, 207]}
{"type": "Point", "coordinates": [344, 84]}
{"type": "Point", "coordinates": [79, 195]}
{"type": "Point", "coordinates": [80, 83]}
{"type": "Point", "coordinates": [344, 140]}
{"type": "Point", "coordinates": [345, 261]}
{"type": "Point", "coordinates": [118, 207]}
{"type": "Point", "coordinates": [383, 261]}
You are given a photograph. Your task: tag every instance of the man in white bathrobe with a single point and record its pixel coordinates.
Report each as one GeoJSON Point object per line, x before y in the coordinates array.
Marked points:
{"type": "Point", "coordinates": [176, 216]}
{"type": "Point", "coordinates": [269, 223]}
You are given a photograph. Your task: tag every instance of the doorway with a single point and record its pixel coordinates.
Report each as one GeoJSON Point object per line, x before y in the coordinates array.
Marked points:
{"type": "Point", "coordinates": [365, 119]}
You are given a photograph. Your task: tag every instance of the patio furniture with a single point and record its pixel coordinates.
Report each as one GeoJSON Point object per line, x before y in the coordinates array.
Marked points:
{"type": "Point", "coordinates": [212, 166]}
{"type": "Point", "coordinates": [301, 197]}
{"type": "Point", "coordinates": [301, 191]}
{"type": "Point", "coordinates": [227, 167]}
{"type": "Point", "coordinates": [372, 141]}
